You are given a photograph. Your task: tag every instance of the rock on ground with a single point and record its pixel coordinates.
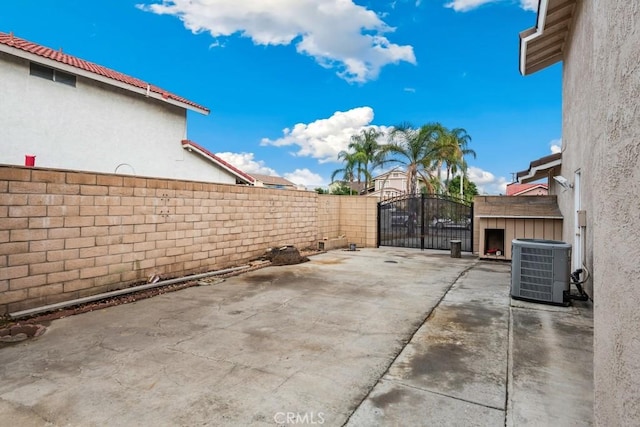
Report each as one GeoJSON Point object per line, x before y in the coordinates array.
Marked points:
{"type": "Point", "coordinates": [285, 255]}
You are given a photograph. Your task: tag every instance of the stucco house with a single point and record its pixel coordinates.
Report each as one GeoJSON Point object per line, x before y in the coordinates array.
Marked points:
{"type": "Point", "coordinates": [598, 184]}
{"type": "Point", "coordinates": [73, 114]}
{"type": "Point", "coordinates": [389, 184]}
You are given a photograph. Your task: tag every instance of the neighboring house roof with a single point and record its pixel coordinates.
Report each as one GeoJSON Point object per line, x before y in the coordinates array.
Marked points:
{"type": "Point", "coordinates": [543, 45]}
{"type": "Point", "coordinates": [538, 168]}
{"type": "Point", "coordinates": [57, 59]}
{"type": "Point", "coordinates": [240, 176]}
{"type": "Point", "coordinates": [515, 189]}
{"type": "Point", "coordinates": [383, 175]}
{"type": "Point", "coordinates": [269, 180]}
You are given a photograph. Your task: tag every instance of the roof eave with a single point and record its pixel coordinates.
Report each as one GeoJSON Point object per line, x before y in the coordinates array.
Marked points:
{"type": "Point", "coordinates": [97, 77]}
{"type": "Point", "coordinates": [537, 172]}
{"type": "Point", "coordinates": [242, 176]}
{"type": "Point", "coordinates": [543, 45]}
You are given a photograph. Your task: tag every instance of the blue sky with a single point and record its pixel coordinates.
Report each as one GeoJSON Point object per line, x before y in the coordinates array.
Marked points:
{"type": "Point", "coordinates": [289, 81]}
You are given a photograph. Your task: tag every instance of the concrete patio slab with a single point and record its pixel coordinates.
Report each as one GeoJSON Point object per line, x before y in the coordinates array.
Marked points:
{"type": "Point", "coordinates": [308, 339]}
{"type": "Point", "coordinates": [551, 371]}
{"type": "Point", "coordinates": [454, 369]}
{"type": "Point", "coordinates": [482, 359]}
{"type": "Point", "coordinates": [370, 337]}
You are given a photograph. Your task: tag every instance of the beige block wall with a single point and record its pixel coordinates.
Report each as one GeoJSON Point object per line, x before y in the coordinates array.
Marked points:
{"type": "Point", "coordinates": [328, 217]}
{"type": "Point", "coordinates": [65, 234]}
{"type": "Point", "coordinates": [352, 216]}
{"type": "Point", "coordinates": [359, 220]}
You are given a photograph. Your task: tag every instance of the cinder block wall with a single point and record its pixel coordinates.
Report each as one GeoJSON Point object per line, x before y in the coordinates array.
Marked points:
{"type": "Point", "coordinates": [67, 234]}
{"type": "Point", "coordinates": [329, 216]}
{"type": "Point", "coordinates": [359, 220]}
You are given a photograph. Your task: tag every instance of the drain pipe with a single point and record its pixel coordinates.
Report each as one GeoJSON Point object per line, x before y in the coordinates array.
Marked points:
{"type": "Point", "coordinates": [64, 304]}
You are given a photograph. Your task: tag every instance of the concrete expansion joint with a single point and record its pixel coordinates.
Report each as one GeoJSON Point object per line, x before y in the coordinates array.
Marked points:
{"type": "Point", "coordinates": [450, 396]}
{"type": "Point", "coordinates": [509, 385]}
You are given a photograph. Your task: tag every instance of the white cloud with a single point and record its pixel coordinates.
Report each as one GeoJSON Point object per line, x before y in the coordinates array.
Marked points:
{"type": "Point", "coordinates": [556, 146]}
{"type": "Point", "coordinates": [530, 5]}
{"type": "Point", "coordinates": [336, 33]}
{"type": "Point", "coordinates": [246, 163]}
{"type": "Point", "coordinates": [325, 138]}
{"type": "Point", "coordinates": [467, 5]}
{"type": "Point", "coordinates": [305, 177]}
{"type": "Point", "coordinates": [487, 182]}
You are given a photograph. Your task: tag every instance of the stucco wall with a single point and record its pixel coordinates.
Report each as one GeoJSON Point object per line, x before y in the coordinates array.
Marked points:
{"type": "Point", "coordinates": [93, 127]}
{"type": "Point", "coordinates": [67, 234]}
{"type": "Point", "coordinates": [601, 136]}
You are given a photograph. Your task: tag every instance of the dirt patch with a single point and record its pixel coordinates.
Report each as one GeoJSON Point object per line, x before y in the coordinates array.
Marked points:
{"type": "Point", "coordinates": [20, 332]}
{"type": "Point", "coordinates": [7, 323]}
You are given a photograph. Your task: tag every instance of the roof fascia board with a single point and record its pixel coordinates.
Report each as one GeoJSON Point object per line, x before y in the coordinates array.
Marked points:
{"type": "Point", "coordinates": [542, 16]}
{"type": "Point", "coordinates": [534, 171]}
{"type": "Point", "coordinates": [196, 149]}
{"type": "Point", "coordinates": [93, 76]}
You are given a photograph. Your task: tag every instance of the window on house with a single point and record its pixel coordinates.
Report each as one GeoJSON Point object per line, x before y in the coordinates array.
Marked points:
{"type": "Point", "coordinates": [51, 74]}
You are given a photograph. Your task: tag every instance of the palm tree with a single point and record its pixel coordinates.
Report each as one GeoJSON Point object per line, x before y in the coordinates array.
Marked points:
{"type": "Point", "coordinates": [417, 150]}
{"type": "Point", "coordinates": [442, 153]}
{"type": "Point", "coordinates": [455, 148]}
{"type": "Point", "coordinates": [363, 155]}
{"type": "Point", "coordinates": [457, 140]}
{"type": "Point", "coordinates": [366, 151]}
{"type": "Point", "coordinates": [347, 171]}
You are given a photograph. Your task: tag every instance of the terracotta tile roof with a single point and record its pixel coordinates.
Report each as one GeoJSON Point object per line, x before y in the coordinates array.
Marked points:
{"type": "Point", "coordinates": [516, 189]}
{"type": "Point", "coordinates": [215, 159]}
{"type": "Point", "coordinates": [58, 56]}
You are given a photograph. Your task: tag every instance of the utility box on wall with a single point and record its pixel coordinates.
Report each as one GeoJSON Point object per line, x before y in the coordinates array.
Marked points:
{"type": "Point", "coordinates": [500, 219]}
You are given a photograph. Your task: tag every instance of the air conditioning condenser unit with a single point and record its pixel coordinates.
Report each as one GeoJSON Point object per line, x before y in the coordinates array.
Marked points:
{"type": "Point", "coordinates": [540, 270]}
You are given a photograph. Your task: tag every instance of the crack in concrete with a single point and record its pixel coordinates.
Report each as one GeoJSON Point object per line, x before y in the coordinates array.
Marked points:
{"type": "Point", "coordinates": [102, 345]}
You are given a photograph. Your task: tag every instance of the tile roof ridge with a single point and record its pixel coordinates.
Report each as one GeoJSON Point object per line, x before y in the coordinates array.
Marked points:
{"type": "Point", "coordinates": [60, 56]}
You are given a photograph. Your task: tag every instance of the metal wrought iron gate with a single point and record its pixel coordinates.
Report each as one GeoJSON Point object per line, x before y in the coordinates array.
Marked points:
{"type": "Point", "coordinates": [425, 222]}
